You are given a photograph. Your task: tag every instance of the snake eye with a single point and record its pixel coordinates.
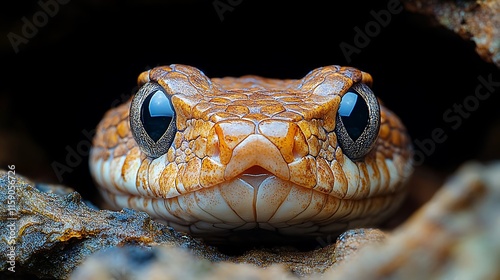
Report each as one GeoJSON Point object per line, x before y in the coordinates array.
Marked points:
{"type": "Point", "coordinates": [156, 114]}
{"type": "Point", "coordinates": [358, 121]}
{"type": "Point", "coordinates": [152, 120]}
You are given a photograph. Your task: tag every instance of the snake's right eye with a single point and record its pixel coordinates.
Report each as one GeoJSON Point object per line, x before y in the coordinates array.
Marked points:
{"type": "Point", "coordinates": [358, 121]}
{"type": "Point", "coordinates": [156, 114]}
{"type": "Point", "coordinates": [152, 120]}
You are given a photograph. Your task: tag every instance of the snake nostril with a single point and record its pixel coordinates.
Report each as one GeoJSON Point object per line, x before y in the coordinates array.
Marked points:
{"type": "Point", "coordinates": [300, 146]}
{"type": "Point", "coordinates": [287, 137]}
{"type": "Point", "coordinates": [212, 149]}
{"type": "Point", "coordinates": [226, 135]}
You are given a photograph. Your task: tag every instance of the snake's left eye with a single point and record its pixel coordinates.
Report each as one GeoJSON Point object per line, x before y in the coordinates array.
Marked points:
{"type": "Point", "coordinates": [152, 120]}
{"type": "Point", "coordinates": [358, 121]}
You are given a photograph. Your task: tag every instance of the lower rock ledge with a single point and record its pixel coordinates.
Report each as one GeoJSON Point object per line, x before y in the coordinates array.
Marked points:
{"type": "Point", "coordinates": [48, 235]}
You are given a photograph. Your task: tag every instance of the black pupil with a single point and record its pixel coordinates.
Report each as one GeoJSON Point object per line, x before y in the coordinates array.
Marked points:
{"type": "Point", "coordinates": [155, 124]}
{"type": "Point", "coordinates": [356, 121]}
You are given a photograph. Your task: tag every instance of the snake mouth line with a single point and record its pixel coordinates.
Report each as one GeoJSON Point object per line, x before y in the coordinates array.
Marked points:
{"type": "Point", "coordinates": [256, 170]}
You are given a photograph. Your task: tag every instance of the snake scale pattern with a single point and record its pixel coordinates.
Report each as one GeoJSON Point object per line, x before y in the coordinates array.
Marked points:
{"type": "Point", "coordinates": [210, 157]}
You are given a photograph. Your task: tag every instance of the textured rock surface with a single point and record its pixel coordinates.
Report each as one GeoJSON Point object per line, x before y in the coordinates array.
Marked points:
{"type": "Point", "coordinates": [281, 263]}
{"type": "Point", "coordinates": [44, 229]}
{"type": "Point", "coordinates": [478, 21]}
{"type": "Point", "coordinates": [168, 263]}
{"type": "Point", "coordinates": [453, 236]}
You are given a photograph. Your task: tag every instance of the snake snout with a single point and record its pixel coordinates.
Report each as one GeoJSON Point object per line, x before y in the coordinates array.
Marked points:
{"type": "Point", "coordinates": [243, 146]}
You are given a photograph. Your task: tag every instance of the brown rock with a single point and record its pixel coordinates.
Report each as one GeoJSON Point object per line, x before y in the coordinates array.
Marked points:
{"type": "Point", "coordinates": [477, 21]}
{"type": "Point", "coordinates": [454, 236]}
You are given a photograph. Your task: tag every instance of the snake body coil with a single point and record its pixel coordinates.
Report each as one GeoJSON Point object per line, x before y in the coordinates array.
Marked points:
{"type": "Point", "coordinates": [309, 156]}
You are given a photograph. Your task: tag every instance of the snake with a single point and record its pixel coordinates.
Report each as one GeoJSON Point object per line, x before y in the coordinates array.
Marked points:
{"type": "Point", "coordinates": [307, 156]}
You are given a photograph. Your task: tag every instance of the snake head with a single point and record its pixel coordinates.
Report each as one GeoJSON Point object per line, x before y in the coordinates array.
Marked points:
{"type": "Point", "coordinates": [212, 156]}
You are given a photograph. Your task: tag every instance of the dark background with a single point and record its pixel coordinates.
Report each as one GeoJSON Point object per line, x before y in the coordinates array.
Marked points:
{"type": "Point", "coordinates": [86, 58]}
